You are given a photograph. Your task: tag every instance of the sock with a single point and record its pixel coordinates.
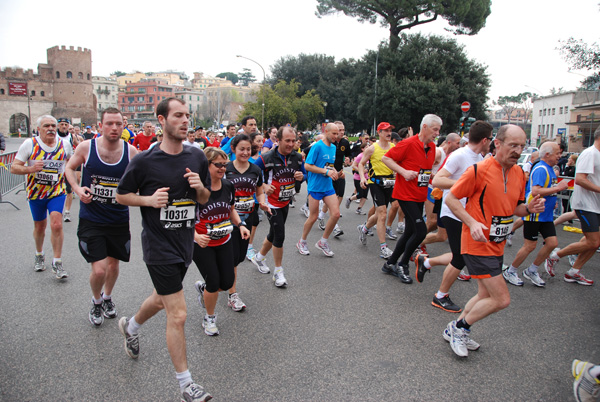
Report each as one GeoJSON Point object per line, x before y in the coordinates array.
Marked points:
{"type": "Point", "coordinates": [133, 327]}
{"type": "Point", "coordinates": [512, 269]}
{"type": "Point", "coordinates": [595, 372]}
{"type": "Point", "coordinates": [323, 240]}
{"type": "Point", "coordinates": [383, 245]}
{"type": "Point", "coordinates": [553, 255]}
{"type": "Point", "coordinates": [440, 295]}
{"type": "Point", "coordinates": [462, 324]}
{"type": "Point", "coordinates": [427, 264]}
{"type": "Point", "coordinates": [39, 252]}
{"type": "Point", "coordinates": [303, 241]}
{"type": "Point", "coordinates": [106, 297]}
{"type": "Point", "coordinates": [573, 271]}
{"type": "Point", "coordinates": [277, 269]}
{"type": "Point", "coordinates": [55, 260]}
{"type": "Point", "coordinates": [67, 211]}
{"type": "Point", "coordinates": [184, 379]}
{"type": "Point", "coordinates": [388, 227]}
{"type": "Point", "coordinates": [364, 228]}
{"type": "Point", "coordinates": [321, 215]}
{"type": "Point", "coordinates": [259, 256]}
{"type": "Point", "coordinates": [250, 247]}
{"type": "Point", "coordinates": [532, 268]}
{"type": "Point", "coordinates": [96, 301]}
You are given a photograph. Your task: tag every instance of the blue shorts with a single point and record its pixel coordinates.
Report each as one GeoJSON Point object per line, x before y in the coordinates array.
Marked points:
{"type": "Point", "coordinates": [39, 207]}
{"type": "Point", "coordinates": [317, 195]}
{"type": "Point", "coordinates": [429, 197]}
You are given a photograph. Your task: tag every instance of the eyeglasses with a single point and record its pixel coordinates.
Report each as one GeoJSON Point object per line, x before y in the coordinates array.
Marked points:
{"type": "Point", "coordinates": [514, 146]}
{"type": "Point", "coordinates": [219, 165]}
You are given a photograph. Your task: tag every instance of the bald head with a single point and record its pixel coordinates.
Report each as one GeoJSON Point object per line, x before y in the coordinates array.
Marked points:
{"type": "Point", "coordinates": [548, 148]}
{"type": "Point", "coordinates": [331, 132]}
{"type": "Point", "coordinates": [452, 142]}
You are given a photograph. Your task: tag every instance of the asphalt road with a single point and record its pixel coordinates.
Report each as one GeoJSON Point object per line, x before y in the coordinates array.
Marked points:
{"type": "Point", "coordinates": [341, 331]}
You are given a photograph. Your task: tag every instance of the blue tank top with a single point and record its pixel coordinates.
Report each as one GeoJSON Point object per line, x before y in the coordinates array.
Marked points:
{"type": "Point", "coordinates": [102, 179]}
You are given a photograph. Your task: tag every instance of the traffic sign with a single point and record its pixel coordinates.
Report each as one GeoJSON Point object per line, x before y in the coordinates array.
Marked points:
{"type": "Point", "coordinates": [465, 107]}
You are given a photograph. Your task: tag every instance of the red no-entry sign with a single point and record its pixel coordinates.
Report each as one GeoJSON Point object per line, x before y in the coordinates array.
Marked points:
{"type": "Point", "coordinates": [465, 106]}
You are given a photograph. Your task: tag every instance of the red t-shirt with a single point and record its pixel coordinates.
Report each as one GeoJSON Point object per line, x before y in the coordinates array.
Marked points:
{"type": "Point", "coordinates": [410, 154]}
{"type": "Point", "coordinates": [143, 142]}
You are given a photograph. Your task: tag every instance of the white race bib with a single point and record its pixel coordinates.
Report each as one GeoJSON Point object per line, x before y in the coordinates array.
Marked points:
{"type": "Point", "coordinates": [500, 228]}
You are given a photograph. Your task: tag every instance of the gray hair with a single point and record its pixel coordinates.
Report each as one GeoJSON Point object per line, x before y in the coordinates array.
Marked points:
{"type": "Point", "coordinates": [429, 119]}
{"type": "Point", "coordinates": [547, 148]}
{"type": "Point", "coordinates": [46, 116]}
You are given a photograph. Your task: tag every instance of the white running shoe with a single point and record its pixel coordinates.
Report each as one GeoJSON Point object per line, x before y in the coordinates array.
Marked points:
{"type": "Point", "coordinates": [470, 343]}
{"type": "Point", "coordinates": [534, 277]}
{"type": "Point", "coordinates": [390, 234]}
{"type": "Point", "coordinates": [324, 247]}
{"type": "Point", "coordinates": [302, 247]}
{"type": "Point", "coordinates": [457, 340]}
{"type": "Point", "coordinates": [235, 302]}
{"type": "Point", "coordinates": [200, 287]}
{"type": "Point", "coordinates": [512, 277]}
{"type": "Point", "coordinates": [279, 279]}
{"type": "Point", "coordinates": [59, 271]}
{"type": "Point", "coordinates": [209, 323]}
{"type": "Point", "coordinates": [262, 267]}
{"type": "Point", "coordinates": [304, 209]}
{"type": "Point", "coordinates": [39, 263]}
{"type": "Point", "coordinates": [385, 253]}
{"type": "Point", "coordinates": [362, 235]}
{"type": "Point", "coordinates": [401, 227]}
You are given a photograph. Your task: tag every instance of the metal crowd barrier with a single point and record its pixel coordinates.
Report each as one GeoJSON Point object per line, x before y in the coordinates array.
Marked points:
{"type": "Point", "coordinates": [566, 194]}
{"type": "Point", "coordinates": [8, 181]}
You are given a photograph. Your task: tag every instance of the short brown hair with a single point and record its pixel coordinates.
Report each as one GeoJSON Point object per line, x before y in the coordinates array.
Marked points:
{"type": "Point", "coordinates": [162, 109]}
{"type": "Point", "coordinates": [110, 110]}
{"type": "Point", "coordinates": [479, 131]}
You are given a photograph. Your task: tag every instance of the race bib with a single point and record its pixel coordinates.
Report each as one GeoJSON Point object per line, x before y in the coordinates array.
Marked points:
{"type": "Point", "coordinates": [50, 173]}
{"type": "Point", "coordinates": [219, 230]}
{"type": "Point", "coordinates": [244, 205]}
{"type": "Point", "coordinates": [286, 192]}
{"type": "Point", "coordinates": [423, 177]}
{"type": "Point", "coordinates": [104, 190]}
{"type": "Point", "coordinates": [500, 228]}
{"type": "Point", "coordinates": [178, 214]}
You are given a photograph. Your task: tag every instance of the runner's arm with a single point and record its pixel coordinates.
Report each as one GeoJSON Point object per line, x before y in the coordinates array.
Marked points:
{"type": "Point", "coordinates": [442, 180]}
{"type": "Point", "coordinates": [581, 179]}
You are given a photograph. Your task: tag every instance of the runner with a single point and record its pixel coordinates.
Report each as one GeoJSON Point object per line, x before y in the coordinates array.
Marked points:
{"type": "Point", "coordinates": [411, 160]}
{"type": "Point", "coordinates": [64, 132]}
{"type": "Point", "coordinates": [543, 182]}
{"type": "Point", "coordinates": [586, 204]}
{"type": "Point", "coordinates": [480, 138]}
{"type": "Point", "coordinates": [321, 173]}
{"type": "Point", "coordinates": [256, 139]}
{"type": "Point", "coordinates": [499, 187]}
{"type": "Point", "coordinates": [43, 159]}
{"type": "Point", "coordinates": [103, 230]}
{"type": "Point", "coordinates": [214, 252]}
{"type": "Point", "coordinates": [170, 179]}
{"type": "Point", "coordinates": [281, 167]}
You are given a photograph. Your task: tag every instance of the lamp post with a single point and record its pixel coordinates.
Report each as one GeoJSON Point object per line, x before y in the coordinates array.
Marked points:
{"type": "Point", "coordinates": [262, 124]}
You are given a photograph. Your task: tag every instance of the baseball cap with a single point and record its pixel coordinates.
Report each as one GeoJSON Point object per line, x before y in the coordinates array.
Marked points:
{"type": "Point", "coordinates": [86, 127]}
{"type": "Point", "coordinates": [63, 119]}
{"type": "Point", "coordinates": [384, 126]}
{"type": "Point", "coordinates": [197, 128]}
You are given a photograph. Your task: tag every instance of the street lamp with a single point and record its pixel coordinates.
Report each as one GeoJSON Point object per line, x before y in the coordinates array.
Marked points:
{"type": "Point", "coordinates": [262, 125]}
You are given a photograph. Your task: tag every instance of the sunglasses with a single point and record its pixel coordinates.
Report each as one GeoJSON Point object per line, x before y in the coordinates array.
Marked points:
{"type": "Point", "coordinates": [219, 165]}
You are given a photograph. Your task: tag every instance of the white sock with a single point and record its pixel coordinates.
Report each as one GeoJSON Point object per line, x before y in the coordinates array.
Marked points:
{"type": "Point", "coordinates": [321, 215]}
{"type": "Point", "coordinates": [512, 269]}
{"type": "Point", "coordinates": [39, 252]}
{"type": "Point", "coordinates": [250, 247]}
{"type": "Point", "coordinates": [259, 256]}
{"type": "Point", "coordinates": [440, 295]}
{"type": "Point", "coordinates": [533, 268]}
{"type": "Point", "coordinates": [554, 256]}
{"type": "Point", "coordinates": [427, 264]}
{"type": "Point", "coordinates": [184, 379]}
{"type": "Point", "coordinates": [96, 301]}
{"type": "Point", "coordinates": [278, 269]}
{"type": "Point", "coordinates": [133, 327]}
{"type": "Point", "coordinates": [302, 241]}
{"type": "Point", "coordinates": [55, 260]}
{"type": "Point", "coordinates": [323, 240]}
{"type": "Point", "coordinates": [573, 271]}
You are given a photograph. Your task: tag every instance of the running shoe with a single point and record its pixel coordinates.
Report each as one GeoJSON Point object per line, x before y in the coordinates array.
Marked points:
{"type": "Point", "coordinates": [470, 343]}
{"type": "Point", "coordinates": [337, 231]}
{"type": "Point", "coordinates": [457, 340]}
{"type": "Point", "coordinates": [572, 259]}
{"type": "Point", "coordinates": [580, 279]}
{"type": "Point", "coordinates": [200, 287]}
{"type": "Point", "coordinates": [551, 263]}
{"type": "Point", "coordinates": [445, 304]}
{"type": "Point", "coordinates": [322, 223]}
{"type": "Point", "coordinates": [534, 277]}
{"type": "Point", "coordinates": [109, 309]}
{"type": "Point", "coordinates": [511, 277]}
{"type": "Point", "coordinates": [509, 240]}
{"type": "Point", "coordinates": [304, 209]}
{"type": "Point", "coordinates": [420, 267]}
{"type": "Point", "coordinates": [39, 263]}
{"type": "Point", "coordinates": [398, 271]}
{"type": "Point", "coordinates": [390, 234]}
{"type": "Point", "coordinates": [324, 247]}
{"type": "Point", "coordinates": [95, 316]}
{"type": "Point", "coordinates": [132, 342]}
{"type": "Point", "coordinates": [250, 254]}
{"type": "Point", "coordinates": [209, 323]}
{"type": "Point", "coordinates": [348, 202]}
{"type": "Point", "coordinates": [463, 276]}
{"type": "Point", "coordinates": [302, 247]}
{"type": "Point", "coordinates": [585, 387]}
{"type": "Point", "coordinates": [422, 249]}
{"type": "Point", "coordinates": [362, 234]}
{"type": "Point", "coordinates": [57, 268]}
{"type": "Point", "coordinates": [385, 252]}
{"type": "Point", "coordinates": [262, 267]}
{"type": "Point", "coordinates": [400, 228]}
{"type": "Point", "coordinates": [67, 216]}
{"type": "Point", "coordinates": [194, 393]}
{"type": "Point", "coordinates": [279, 279]}
{"type": "Point", "coordinates": [359, 211]}
{"type": "Point", "coordinates": [235, 302]}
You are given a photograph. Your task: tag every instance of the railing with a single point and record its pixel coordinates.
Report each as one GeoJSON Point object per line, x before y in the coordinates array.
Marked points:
{"type": "Point", "coordinates": [8, 181]}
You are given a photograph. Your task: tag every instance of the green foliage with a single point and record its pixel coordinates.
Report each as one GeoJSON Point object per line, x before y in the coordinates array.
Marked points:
{"type": "Point", "coordinates": [118, 73]}
{"type": "Point", "coordinates": [246, 77]}
{"type": "Point", "coordinates": [233, 77]}
{"type": "Point", "coordinates": [580, 55]}
{"type": "Point", "coordinates": [466, 16]}
{"type": "Point", "coordinates": [283, 106]}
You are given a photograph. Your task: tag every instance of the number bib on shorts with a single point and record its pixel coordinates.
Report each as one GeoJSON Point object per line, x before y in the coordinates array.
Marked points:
{"type": "Point", "coordinates": [423, 178]}
{"type": "Point", "coordinates": [178, 214]}
{"type": "Point", "coordinates": [244, 205]}
{"type": "Point", "coordinates": [104, 189]}
{"type": "Point", "coordinates": [219, 230]}
{"type": "Point", "coordinates": [500, 228]}
{"type": "Point", "coordinates": [48, 176]}
{"type": "Point", "coordinates": [287, 191]}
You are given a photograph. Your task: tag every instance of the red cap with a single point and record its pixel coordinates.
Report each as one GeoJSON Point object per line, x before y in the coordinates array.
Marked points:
{"type": "Point", "coordinates": [384, 126]}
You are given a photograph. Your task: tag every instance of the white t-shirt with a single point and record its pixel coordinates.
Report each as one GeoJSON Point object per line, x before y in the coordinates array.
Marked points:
{"type": "Point", "coordinates": [192, 144]}
{"type": "Point", "coordinates": [26, 148]}
{"type": "Point", "coordinates": [588, 162]}
{"type": "Point", "coordinates": [456, 164]}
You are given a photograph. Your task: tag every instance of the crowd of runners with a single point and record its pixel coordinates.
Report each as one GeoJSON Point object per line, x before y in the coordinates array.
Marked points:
{"type": "Point", "coordinates": [202, 199]}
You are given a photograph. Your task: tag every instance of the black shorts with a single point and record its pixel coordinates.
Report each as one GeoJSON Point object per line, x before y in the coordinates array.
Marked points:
{"type": "Point", "coordinates": [481, 267]}
{"type": "Point", "coordinates": [589, 221]}
{"type": "Point", "coordinates": [437, 207]}
{"type": "Point", "coordinates": [98, 241]}
{"type": "Point", "coordinates": [339, 186]}
{"type": "Point", "coordinates": [531, 230]}
{"type": "Point", "coordinates": [167, 279]}
{"type": "Point", "coordinates": [382, 196]}
{"type": "Point", "coordinates": [360, 192]}
{"type": "Point", "coordinates": [454, 231]}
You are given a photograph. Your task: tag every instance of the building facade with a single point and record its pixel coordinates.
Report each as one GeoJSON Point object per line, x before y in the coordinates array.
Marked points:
{"type": "Point", "coordinates": [138, 100]}
{"type": "Point", "coordinates": [551, 115]}
{"type": "Point", "coordinates": [106, 90]}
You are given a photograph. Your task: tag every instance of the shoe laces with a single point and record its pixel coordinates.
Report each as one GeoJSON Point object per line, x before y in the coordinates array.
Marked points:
{"type": "Point", "coordinates": [58, 266]}
{"type": "Point", "coordinates": [97, 310]}
{"type": "Point", "coordinates": [109, 304]}
{"type": "Point", "coordinates": [195, 390]}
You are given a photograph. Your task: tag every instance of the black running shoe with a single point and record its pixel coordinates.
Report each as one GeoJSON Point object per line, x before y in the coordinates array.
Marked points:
{"type": "Point", "coordinates": [445, 304]}
{"type": "Point", "coordinates": [397, 271]}
{"type": "Point", "coordinates": [420, 267]}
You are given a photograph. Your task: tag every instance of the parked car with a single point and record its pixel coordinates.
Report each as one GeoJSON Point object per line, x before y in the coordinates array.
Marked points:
{"type": "Point", "coordinates": [525, 157]}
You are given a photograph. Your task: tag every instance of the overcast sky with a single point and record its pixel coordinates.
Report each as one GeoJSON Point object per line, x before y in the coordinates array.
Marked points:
{"type": "Point", "coordinates": [518, 43]}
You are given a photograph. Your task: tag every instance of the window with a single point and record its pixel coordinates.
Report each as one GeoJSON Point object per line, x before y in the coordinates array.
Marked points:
{"type": "Point", "coordinates": [560, 110]}
{"type": "Point", "coordinates": [150, 100]}
{"type": "Point", "coordinates": [42, 93]}
{"type": "Point", "coordinates": [553, 111]}
{"type": "Point", "coordinates": [32, 93]}
{"type": "Point", "coordinates": [539, 129]}
{"type": "Point", "coordinates": [540, 112]}
{"type": "Point", "coordinates": [88, 76]}
{"type": "Point", "coordinates": [153, 89]}
{"type": "Point", "coordinates": [140, 98]}
{"type": "Point", "coordinates": [80, 76]}
{"type": "Point", "coordinates": [2, 91]}
{"type": "Point", "coordinates": [552, 130]}
{"type": "Point", "coordinates": [57, 75]}
{"type": "Point", "coordinates": [198, 98]}
{"type": "Point", "coordinates": [130, 99]}
{"type": "Point", "coordinates": [69, 75]}
{"type": "Point", "coordinates": [566, 109]}
{"type": "Point", "coordinates": [131, 108]}
{"type": "Point", "coordinates": [141, 90]}
{"type": "Point", "coordinates": [190, 97]}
